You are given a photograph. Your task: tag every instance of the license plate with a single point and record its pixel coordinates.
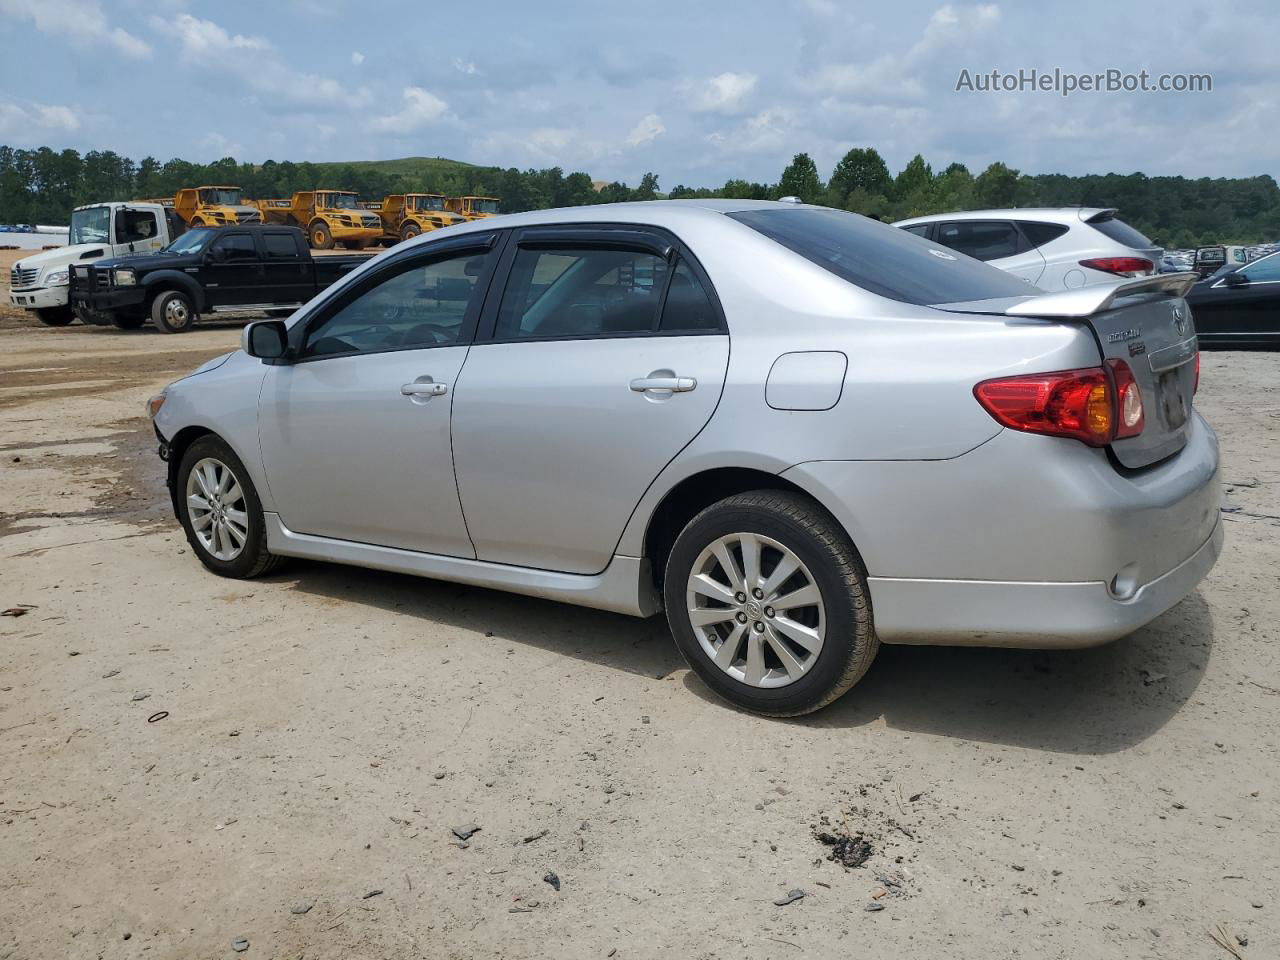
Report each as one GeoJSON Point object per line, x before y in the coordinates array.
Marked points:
{"type": "Point", "coordinates": [1175, 407]}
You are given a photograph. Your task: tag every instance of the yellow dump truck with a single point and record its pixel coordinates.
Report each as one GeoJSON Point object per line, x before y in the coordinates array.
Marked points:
{"type": "Point", "coordinates": [406, 215]}
{"type": "Point", "coordinates": [214, 207]}
{"type": "Point", "coordinates": [326, 217]}
{"type": "Point", "coordinates": [473, 208]}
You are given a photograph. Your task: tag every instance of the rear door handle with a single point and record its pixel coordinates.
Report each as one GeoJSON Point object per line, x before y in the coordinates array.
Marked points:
{"type": "Point", "coordinates": [424, 389]}
{"type": "Point", "coordinates": [663, 384]}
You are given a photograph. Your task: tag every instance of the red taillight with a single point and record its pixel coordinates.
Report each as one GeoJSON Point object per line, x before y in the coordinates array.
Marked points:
{"type": "Point", "coordinates": [1196, 388]}
{"type": "Point", "coordinates": [1130, 417]}
{"type": "Point", "coordinates": [1121, 266]}
{"type": "Point", "coordinates": [1095, 405]}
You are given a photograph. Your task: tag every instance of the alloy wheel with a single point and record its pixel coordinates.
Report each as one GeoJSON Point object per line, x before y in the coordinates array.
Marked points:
{"type": "Point", "coordinates": [756, 610]}
{"type": "Point", "coordinates": [216, 507]}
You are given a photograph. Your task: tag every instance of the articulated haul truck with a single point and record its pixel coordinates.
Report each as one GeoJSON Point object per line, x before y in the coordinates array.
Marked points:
{"type": "Point", "coordinates": [326, 217]}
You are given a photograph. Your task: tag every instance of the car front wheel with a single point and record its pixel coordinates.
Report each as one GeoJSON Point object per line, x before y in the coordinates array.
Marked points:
{"type": "Point", "coordinates": [220, 511]}
{"type": "Point", "coordinates": [767, 599]}
{"type": "Point", "coordinates": [173, 312]}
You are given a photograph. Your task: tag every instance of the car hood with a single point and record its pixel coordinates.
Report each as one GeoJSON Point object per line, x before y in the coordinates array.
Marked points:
{"type": "Point", "coordinates": [64, 255]}
{"type": "Point", "coordinates": [152, 261]}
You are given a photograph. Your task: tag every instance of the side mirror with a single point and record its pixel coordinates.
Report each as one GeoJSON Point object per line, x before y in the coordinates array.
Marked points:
{"type": "Point", "coordinates": [265, 339]}
{"type": "Point", "coordinates": [121, 225]}
{"type": "Point", "coordinates": [1236, 279]}
{"type": "Point", "coordinates": [218, 254]}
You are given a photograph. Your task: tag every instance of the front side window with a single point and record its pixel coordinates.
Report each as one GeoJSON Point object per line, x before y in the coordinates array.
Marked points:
{"type": "Point", "coordinates": [1266, 270]}
{"type": "Point", "coordinates": [412, 305]}
{"type": "Point", "coordinates": [880, 258]}
{"type": "Point", "coordinates": [236, 246]}
{"type": "Point", "coordinates": [980, 239]}
{"type": "Point", "coordinates": [590, 292]}
{"type": "Point", "coordinates": [138, 225]}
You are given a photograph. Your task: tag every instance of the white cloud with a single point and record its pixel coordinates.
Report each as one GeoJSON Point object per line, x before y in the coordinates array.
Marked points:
{"type": "Point", "coordinates": [357, 57]}
{"type": "Point", "coordinates": [465, 66]}
{"type": "Point", "coordinates": [723, 93]}
{"type": "Point", "coordinates": [421, 107]}
{"type": "Point", "coordinates": [18, 120]}
{"type": "Point", "coordinates": [216, 143]}
{"type": "Point", "coordinates": [205, 40]}
{"type": "Point", "coordinates": [649, 128]}
{"type": "Point", "coordinates": [80, 22]}
{"type": "Point", "coordinates": [767, 130]}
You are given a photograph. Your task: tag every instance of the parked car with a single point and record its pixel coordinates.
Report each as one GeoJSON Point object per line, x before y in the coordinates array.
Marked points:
{"type": "Point", "coordinates": [1239, 305]}
{"type": "Point", "coordinates": [206, 270]}
{"type": "Point", "coordinates": [902, 446]}
{"type": "Point", "coordinates": [1052, 248]}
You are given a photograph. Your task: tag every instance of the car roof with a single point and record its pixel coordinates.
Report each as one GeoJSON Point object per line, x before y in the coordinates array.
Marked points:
{"type": "Point", "coordinates": [1067, 215]}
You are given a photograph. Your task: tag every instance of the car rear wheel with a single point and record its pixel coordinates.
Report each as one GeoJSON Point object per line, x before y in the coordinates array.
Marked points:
{"type": "Point", "coordinates": [55, 316]}
{"type": "Point", "coordinates": [173, 312]}
{"type": "Point", "coordinates": [219, 509]}
{"type": "Point", "coordinates": [768, 603]}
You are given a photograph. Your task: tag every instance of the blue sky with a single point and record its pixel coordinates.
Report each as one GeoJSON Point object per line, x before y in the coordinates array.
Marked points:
{"type": "Point", "coordinates": [697, 92]}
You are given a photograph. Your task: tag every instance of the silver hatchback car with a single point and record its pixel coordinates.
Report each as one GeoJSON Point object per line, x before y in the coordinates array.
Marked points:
{"type": "Point", "coordinates": [802, 432]}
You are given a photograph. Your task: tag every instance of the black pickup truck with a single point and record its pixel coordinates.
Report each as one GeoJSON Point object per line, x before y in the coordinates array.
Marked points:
{"type": "Point", "coordinates": [206, 270]}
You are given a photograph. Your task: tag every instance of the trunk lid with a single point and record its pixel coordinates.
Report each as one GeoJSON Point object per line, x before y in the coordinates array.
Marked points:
{"type": "Point", "coordinates": [1144, 322]}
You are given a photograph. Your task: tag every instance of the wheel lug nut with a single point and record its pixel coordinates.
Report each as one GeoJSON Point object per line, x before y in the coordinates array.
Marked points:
{"type": "Point", "coordinates": [758, 593]}
{"type": "Point", "coordinates": [740, 597]}
{"type": "Point", "coordinates": [759, 627]}
{"type": "Point", "coordinates": [742, 618]}
{"type": "Point", "coordinates": [768, 611]}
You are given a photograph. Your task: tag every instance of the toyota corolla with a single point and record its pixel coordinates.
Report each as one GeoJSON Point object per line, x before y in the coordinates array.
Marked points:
{"type": "Point", "coordinates": [800, 432]}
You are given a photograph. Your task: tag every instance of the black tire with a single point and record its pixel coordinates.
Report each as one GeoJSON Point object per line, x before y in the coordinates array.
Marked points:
{"type": "Point", "coordinates": [173, 312]}
{"type": "Point", "coordinates": [132, 322]}
{"type": "Point", "coordinates": [253, 560]}
{"type": "Point", "coordinates": [409, 231]}
{"type": "Point", "coordinates": [55, 316]}
{"type": "Point", "coordinates": [319, 237]}
{"type": "Point", "coordinates": [819, 542]}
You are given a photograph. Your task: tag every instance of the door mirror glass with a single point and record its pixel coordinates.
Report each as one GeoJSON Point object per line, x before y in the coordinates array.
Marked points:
{"type": "Point", "coordinates": [218, 254]}
{"type": "Point", "coordinates": [266, 339]}
{"type": "Point", "coordinates": [1236, 279]}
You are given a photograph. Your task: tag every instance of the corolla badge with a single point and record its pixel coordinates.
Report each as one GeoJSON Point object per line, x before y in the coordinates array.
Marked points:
{"type": "Point", "coordinates": [941, 254]}
{"type": "Point", "coordinates": [1179, 319]}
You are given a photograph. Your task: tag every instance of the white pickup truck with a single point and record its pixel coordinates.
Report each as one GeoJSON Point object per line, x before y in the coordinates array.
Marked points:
{"type": "Point", "coordinates": [98, 230]}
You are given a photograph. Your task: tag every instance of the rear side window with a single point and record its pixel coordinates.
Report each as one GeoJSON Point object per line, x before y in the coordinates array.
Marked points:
{"type": "Point", "coordinates": [1121, 233]}
{"type": "Point", "coordinates": [882, 259]}
{"type": "Point", "coordinates": [919, 229]}
{"type": "Point", "coordinates": [687, 307]}
{"type": "Point", "coordinates": [980, 239]}
{"type": "Point", "coordinates": [281, 245]}
{"type": "Point", "coordinates": [589, 292]}
{"type": "Point", "coordinates": [1039, 233]}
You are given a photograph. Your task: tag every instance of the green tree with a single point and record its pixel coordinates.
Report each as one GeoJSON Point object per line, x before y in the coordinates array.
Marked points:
{"type": "Point", "coordinates": [996, 186]}
{"type": "Point", "coordinates": [648, 189]}
{"type": "Point", "coordinates": [800, 179]}
{"type": "Point", "coordinates": [859, 169]}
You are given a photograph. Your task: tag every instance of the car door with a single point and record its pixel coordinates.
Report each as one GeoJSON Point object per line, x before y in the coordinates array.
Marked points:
{"type": "Point", "coordinates": [286, 268]}
{"type": "Point", "coordinates": [1243, 304]}
{"type": "Point", "coordinates": [355, 431]}
{"type": "Point", "coordinates": [603, 357]}
{"type": "Point", "coordinates": [997, 242]}
{"type": "Point", "coordinates": [232, 272]}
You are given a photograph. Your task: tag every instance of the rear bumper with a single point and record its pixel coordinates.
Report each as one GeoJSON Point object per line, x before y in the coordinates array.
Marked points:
{"type": "Point", "coordinates": [1026, 540]}
{"type": "Point", "coordinates": [39, 298]}
{"type": "Point", "coordinates": [1019, 614]}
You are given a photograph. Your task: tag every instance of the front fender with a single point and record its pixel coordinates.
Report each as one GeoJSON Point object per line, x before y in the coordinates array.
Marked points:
{"type": "Point", "coordinates": [153, 283]}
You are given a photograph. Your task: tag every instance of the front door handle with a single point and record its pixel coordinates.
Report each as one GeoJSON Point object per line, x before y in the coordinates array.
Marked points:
{"type": "Point", "coordinates": [424, 389]}
{"type": "Point", "coordinates": [663, 384]}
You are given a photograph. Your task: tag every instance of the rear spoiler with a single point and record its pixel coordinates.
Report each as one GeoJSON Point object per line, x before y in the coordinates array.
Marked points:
{"type": "Point", "coordinates": [1086, 301]}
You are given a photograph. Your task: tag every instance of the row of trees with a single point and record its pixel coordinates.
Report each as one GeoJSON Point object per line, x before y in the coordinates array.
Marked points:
{"type": "Point", "coordinates": [42, 185]}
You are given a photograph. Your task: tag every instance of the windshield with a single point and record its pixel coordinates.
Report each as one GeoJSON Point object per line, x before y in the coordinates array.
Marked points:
{"type": "Point", "coordinates": [222, 197]}
{"type": "Point", "coordinates": [339, 201]}
{"type": "Point", "coordinates": [90, 226]}
{"type": "Point", "coordinates": [193, 241]}
{"type": "Point", "coordinates": [484, 206]}
{"type": "Point", "coordinates": [428, 203]}
{"type": "Point", "coordinates": [883, 259]}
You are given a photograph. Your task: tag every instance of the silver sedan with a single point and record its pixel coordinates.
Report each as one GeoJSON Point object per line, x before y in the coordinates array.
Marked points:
{"type": "Point", "coordinates": [801, 432]}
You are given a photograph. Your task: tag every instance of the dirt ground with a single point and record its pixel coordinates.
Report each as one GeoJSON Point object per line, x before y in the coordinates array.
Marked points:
{"type": "Point", "coordinates": [318, 733]}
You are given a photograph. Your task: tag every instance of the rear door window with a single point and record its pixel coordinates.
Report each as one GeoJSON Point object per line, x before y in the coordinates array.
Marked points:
{"type": "Point", "coordinates": [919, 229]}
{"type": "Point", "coordinates": [688, 308]}
{"type": "Point", "coordinates": [980, 239]}
{"type": "Point", "coordinates": [880, 258]}
{"type": "Point", "coordinates": [1039, 233]}
{"type": "Point", "coordinates": [280, 246]}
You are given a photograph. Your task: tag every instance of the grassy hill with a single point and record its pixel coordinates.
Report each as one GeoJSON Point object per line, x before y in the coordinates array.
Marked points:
{"type": "Point", "coordinates": [411, 168]}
